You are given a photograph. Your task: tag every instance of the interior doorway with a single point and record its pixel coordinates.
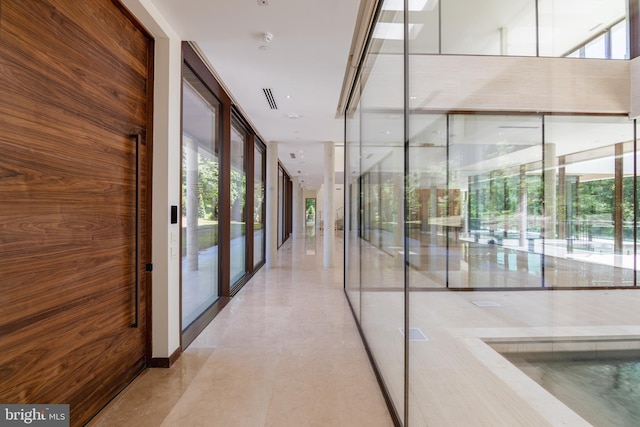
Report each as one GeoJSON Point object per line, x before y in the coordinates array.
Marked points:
{"type": "Point", "coordinates": [310, 213]}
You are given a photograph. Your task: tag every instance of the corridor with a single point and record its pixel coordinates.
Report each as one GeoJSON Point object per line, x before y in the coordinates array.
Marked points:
{"type": "Point", "coordinates": [284, 352]}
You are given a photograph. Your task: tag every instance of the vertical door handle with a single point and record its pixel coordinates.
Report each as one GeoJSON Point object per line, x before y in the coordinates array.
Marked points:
{"type": "Point", "coordinates": [137, 138]}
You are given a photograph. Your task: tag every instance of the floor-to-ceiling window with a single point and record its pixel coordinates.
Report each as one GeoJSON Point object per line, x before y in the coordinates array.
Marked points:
{"type": "Point", "coordinates": [238, 190]}
{"type": "Point", "coordinates": [501, 234]}
{"type": "Point", "coordinates": [285, 195]}
{"type": "Point", "coordinates": [223, 183]}
{"type": "Point", "coordinates": [200, 187]}
{"type": "Point", "coordinates": [259, 188]}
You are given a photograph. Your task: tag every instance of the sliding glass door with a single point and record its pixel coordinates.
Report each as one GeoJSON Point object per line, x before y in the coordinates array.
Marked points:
{"type": "Point", "coordinates": [200, 174]}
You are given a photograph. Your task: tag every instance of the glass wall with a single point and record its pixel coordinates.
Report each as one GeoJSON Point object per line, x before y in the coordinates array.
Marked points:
{"type": "Point", "coordinates": [381, 249]}
{"type": "Point", "coordinates": [509, 27]}
{"type": "Point", "coordinates": [259, 188]}
{"type": "Point", "coordinates": [285, 196]}
{"type": "Point", "coordinates": [238, 191]}
{"type": "Point", "coordinates": [353, 216]}
{"type": "Point", "coordinates": [566, 25]}
{"type": "Point", "coordinates": [200, 174]}
{"type": "Point", "coordinates": [485, 249]}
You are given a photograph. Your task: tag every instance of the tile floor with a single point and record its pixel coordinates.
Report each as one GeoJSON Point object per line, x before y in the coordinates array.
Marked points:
{"type": "Point", "coordinates": [284, 352]}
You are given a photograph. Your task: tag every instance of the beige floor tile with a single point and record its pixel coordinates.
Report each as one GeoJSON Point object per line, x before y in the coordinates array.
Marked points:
{"type": "Point", "coordinates": [284, 352]}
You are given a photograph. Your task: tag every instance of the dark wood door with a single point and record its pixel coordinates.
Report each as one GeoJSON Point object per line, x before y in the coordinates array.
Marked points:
{"type": "Point", "coordinates": [74, 94]}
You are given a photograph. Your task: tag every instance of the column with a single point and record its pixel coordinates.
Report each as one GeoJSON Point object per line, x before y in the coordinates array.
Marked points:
{"type": "Point", "coordinates": [271, 222]}
{"type": "Point", "coordinates": [329, 214]}
{"type": "Point", "coordinates": [295, 206]}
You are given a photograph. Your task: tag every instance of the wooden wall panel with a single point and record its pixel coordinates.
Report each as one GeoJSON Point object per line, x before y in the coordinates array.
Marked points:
{"type": "Point", "coordinates": [73, 89]}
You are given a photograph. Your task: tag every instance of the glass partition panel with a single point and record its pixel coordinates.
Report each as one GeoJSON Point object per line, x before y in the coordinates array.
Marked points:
{"type": "Point", "coordinates": [353, 191]}
{"type": "Point", "coordinates": [588, 177]}
{"type": "Point", "coordinates": [494, 164]}
{"type": "Point", "coordinates": [565, 25]}
{"type": "Point", "coordinates": [382, 178]}
{"type": "Point", "coordinates": [200, 173]}
{"type": "Point", "coordinates": [259, 189]}
{"type": "Point", "coordinates": [491, 27]}
{"type": "Point", "coordinates": [433, 209]}
{"type": "Point", "coordinates": [620, 40]}
{"type": "Point", "coordinates": [433, 214]}
{"type": "Point", "coordinates": [238, 188]}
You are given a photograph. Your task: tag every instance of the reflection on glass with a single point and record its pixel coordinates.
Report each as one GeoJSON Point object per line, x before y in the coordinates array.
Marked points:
{"type": "Point", "coordinates": [596, 48]}
{"type": "Point", "coordinates": [497, 209]}
{"type": "Point", "coordinates": [200, 172]}
{"type": "Point", "coordinates": [620, 41]}
{"type": "Point", "coordinates": [497, 164]}
{"type": "Point", "coordinates": [353, 215]}
{"type": "Point", "coordinates": [494, 27]}
{"type": "Point", "coordinates": [565, 25]}
{"type": "Point", "coordinates": [238, 187]}
{"type": "Point", "coordinates": [258, 205]}
{"type": "Point", "coordinates": [589, 231]}
{"type": "Point", "coordinates": [429, 207]}
{"type": "Point", "coordinates": [381, 168]}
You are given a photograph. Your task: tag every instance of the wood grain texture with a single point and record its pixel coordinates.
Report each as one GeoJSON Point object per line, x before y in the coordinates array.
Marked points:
{"type": "Point", "coordinates": [73, 84]}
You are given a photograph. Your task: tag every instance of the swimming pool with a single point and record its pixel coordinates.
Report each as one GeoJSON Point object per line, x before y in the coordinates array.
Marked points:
{"type": "Point", "coordinates": [602, 387]}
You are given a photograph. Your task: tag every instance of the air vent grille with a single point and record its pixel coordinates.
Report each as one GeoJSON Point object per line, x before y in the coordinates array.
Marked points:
{"type": "Point", "coordinates": [293, 155]}
{"type": "Point", "coordinates": [270, 99]}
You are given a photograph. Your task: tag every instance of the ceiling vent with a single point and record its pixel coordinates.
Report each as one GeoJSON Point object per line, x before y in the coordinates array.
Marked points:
{"type": "Point", "coordinates": [293, 155]}
{"type": "Point", "coordinates": [270, 99]}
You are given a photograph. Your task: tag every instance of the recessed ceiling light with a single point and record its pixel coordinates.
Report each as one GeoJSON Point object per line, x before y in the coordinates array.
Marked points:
{"type": "Point", "coordinates": [293, 116]}
{"type": "Point", "coordinates": [288, 96]}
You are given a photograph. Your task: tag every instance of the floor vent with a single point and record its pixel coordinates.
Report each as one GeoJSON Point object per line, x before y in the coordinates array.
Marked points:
{"type": "Point", "coordinates": [486, 304]}
{"type": "Point", "coordinates": [270, 99]}
{"type": "Point", "coordinates": [415, 334]}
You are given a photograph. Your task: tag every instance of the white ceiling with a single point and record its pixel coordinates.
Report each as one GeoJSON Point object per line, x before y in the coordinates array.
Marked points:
{"type": "Point", "coordinates": [303, 65]}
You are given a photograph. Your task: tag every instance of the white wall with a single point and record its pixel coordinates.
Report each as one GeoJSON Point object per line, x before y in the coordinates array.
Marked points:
{"type": "Point", "coordinates": [166, 178]}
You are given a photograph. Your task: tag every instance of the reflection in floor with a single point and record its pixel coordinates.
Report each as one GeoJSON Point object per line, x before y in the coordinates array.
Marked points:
{"type": "Point", "coordinates": [456, 378]}
{"type": "Point", "coordinates": [284, 352]}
